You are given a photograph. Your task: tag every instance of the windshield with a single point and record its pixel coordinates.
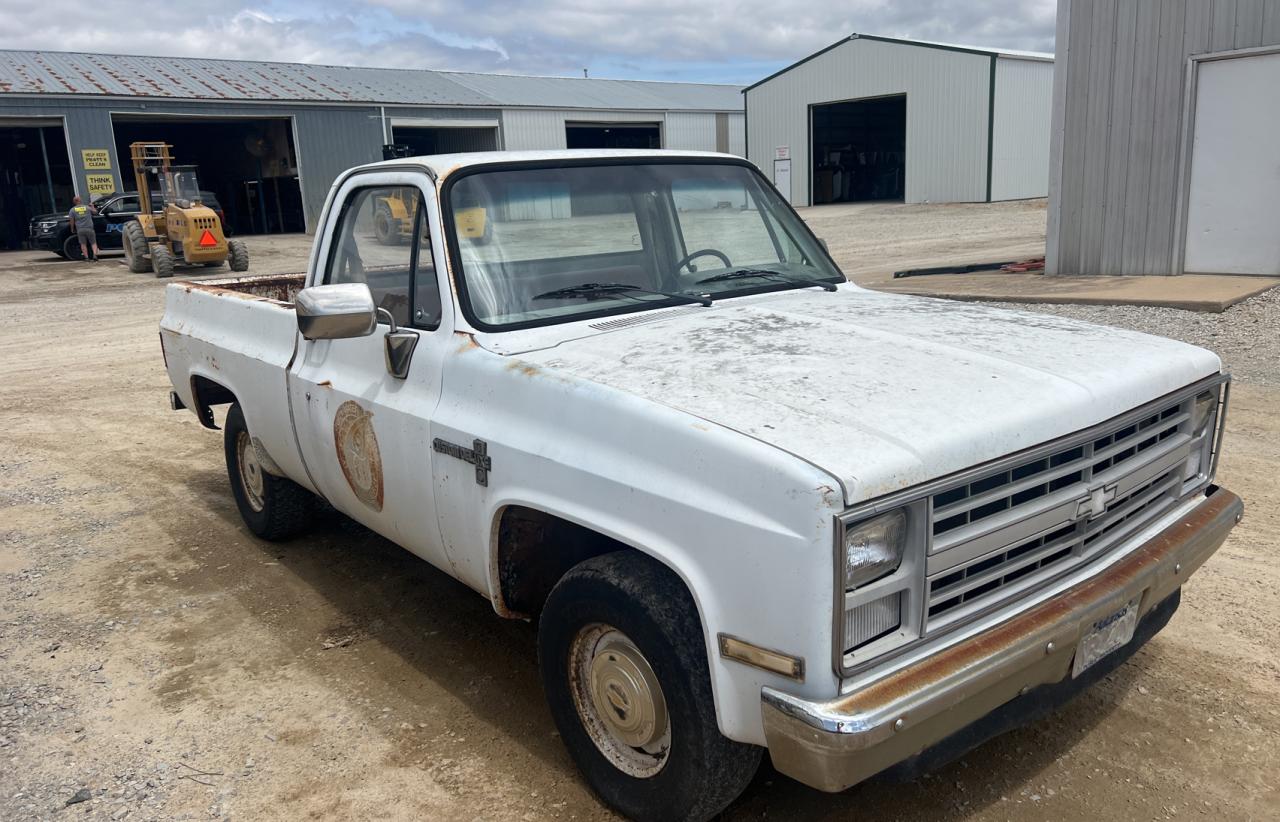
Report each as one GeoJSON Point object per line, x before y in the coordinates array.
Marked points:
{"type": "Point", "coordinates": [544, 245]}
{"type": "Point", "coordinates": [180, 186]}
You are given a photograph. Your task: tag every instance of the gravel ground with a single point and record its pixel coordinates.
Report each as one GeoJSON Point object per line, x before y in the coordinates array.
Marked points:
{"type": "Point", "coordinates": [1246, 336]}
{"type": "Point", "coordinates": [157, 662]}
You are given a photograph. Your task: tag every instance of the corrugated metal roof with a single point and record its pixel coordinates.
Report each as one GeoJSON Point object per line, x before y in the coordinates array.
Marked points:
{"type": "Point", "coordinates": [193, 78]}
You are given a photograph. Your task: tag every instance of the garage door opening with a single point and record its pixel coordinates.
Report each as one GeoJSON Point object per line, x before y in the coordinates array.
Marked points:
{"type": "Point", "coordinates": [250, 165]}
{"type": "Point", "coordinates": [860, 150]}
{"type": "Point", "coordinates": [613, 135]}
{"type": "Point", "coordinates": [422, 140]}
{"type": "Point", "coordinates": [35, 176]}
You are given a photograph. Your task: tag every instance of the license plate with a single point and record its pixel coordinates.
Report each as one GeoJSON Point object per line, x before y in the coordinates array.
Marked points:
{"type": "Point", "coordinates": [1105, 635]}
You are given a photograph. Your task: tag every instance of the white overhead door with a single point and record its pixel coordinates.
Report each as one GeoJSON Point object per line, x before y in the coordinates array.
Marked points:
{"type": "Point", "coordinates": [1233, 210]}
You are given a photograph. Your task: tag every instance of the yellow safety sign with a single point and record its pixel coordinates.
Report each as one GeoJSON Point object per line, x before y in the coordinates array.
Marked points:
{"type": "Point", "coordinates": [96, 158]}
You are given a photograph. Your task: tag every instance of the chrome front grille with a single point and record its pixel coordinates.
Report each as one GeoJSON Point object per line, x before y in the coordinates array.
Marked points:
{"type": "Point", "coordinates": [1019, 527]}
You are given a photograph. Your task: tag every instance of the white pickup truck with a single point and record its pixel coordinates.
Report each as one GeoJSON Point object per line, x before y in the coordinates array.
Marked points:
{"type": "Point", "coordinates": [751, 505]}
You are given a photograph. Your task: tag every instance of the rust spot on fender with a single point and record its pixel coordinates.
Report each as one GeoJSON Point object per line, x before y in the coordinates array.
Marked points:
{"type": "Point", "coordinates": [324, 384]}
{"type": "Point", "coordinates": [466, 342]}
{"type": "Point", "coordinates": [357, 447]}
{"type": "Point", "coordinates": [526, 368]}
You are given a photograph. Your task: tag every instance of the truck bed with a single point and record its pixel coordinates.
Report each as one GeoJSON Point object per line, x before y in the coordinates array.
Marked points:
{"type": "Point", "coordinates": [276, 288]}
{"type": "Point", "coordinates": [232, 339]}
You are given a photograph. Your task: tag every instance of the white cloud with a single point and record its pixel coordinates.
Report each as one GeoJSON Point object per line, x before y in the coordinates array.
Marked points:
{"type": "Point", "coordinates": [732, 40]}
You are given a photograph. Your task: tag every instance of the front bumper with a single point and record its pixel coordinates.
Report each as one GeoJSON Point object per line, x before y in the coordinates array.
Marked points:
{"type": "Point", "coordinates": [831, 745]}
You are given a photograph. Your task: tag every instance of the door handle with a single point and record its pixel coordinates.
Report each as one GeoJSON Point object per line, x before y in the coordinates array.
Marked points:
{"type": "Point", "coordinates": [398, 346]}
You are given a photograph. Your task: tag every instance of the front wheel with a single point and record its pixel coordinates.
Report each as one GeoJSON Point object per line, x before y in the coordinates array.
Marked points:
{"type": "Point", "coordinates": [134, 240]}
{"type": "Point", "coordinates": [273, 507]}
{"type": "Point", "coordinates": [71, 248]}
{"type": "Point", "coordinates": [625, 670]}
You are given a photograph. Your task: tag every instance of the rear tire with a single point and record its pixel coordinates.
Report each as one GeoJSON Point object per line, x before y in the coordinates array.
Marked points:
{"type": "Point", "coordinates": [134, 241]}
{"type": "Point", "coordinates": [237, 255]}
{"type": "Point", "coordinates": [273, 507]}
{"type": "Point", "coordinates": [624, 666]}
{"type": "Point", "coordinates": [161, 260]}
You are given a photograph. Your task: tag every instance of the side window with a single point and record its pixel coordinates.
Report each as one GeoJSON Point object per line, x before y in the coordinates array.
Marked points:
{"type": "Point", "coordinates": [374, 245]}
{"type": "Point", "coordinates": [126, 205]}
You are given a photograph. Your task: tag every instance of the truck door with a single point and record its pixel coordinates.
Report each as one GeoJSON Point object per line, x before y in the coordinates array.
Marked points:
{"type": "Point", "coordinates": [363, 432]}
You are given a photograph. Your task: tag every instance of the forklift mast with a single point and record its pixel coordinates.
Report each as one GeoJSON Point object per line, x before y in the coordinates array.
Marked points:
{"type": "Point", "coordinates": [149, 158]}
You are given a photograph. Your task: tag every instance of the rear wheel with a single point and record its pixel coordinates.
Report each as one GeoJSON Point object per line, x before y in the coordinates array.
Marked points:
{"type": "Point", "coordinates": [161, 260]}
{"type": "Point", "coordinates": [237, 255]}
{"type": "Point", "coordinates": [273, 507]}
{"type": "Point", "coordinates": [624, 665]}
{"type": "Point", "coordinates": [71, 248]}
{"type": "Point", "coordinates": [134, 241]}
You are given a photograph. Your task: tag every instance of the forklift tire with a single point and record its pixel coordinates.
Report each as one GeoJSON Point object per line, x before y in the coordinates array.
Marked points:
{"type": "Point", "coordinates": [237, 255]}
{"type": "Point", "coordinates": [386, 227]}
{"type": "Point", "coordinates": [161, 260]}
{"type": "Point", "coordinates": [135, 247]}
{"type": "Point", "coordinates": [71, 248]}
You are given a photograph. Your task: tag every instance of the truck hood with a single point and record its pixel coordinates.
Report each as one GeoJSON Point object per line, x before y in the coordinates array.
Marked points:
{"type": "Point", "coordinates": [881, 391]}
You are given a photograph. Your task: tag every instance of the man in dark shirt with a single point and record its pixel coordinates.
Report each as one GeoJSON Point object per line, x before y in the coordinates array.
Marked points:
{"type": "Point", "coordinates": [81, 217]}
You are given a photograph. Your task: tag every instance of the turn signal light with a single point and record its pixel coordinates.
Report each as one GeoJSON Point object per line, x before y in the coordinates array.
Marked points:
{"type": "Point", "coordinates": [207, 239]}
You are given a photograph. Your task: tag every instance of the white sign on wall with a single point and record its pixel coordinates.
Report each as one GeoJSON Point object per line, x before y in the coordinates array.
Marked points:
{"type": "Point", "coordinates": [782, 177]}
{"type": "Point", "coordinates": [782, 153]}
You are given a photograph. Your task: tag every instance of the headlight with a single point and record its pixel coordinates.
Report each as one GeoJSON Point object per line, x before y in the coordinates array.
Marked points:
{"type": "Point", "coordinates": [47, 225]}
{"type": "Point", "coordinates": [1202, 411]}
{"type": "Point", "coordinates": [879, 582]}
{"type": "Point", "coordinates": [873, 549]}
{"type": "Point", "coordinates": [1205, 409]}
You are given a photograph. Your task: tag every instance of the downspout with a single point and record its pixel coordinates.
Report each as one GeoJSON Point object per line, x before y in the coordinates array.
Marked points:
{"type": "Point", "coordinates": [991, 125]}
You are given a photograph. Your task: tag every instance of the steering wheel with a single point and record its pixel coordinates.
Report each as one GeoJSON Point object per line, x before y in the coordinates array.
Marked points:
{"type": "Point", "coordinates": [703, 252]}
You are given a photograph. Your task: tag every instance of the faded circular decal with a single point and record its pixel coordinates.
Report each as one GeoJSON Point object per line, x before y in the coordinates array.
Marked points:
{"type": "Point", "coordinates": [358, 455]}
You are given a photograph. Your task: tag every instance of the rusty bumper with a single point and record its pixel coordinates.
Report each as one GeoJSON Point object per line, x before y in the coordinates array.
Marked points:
{"type": "Point", "coordinates": [834, 744]}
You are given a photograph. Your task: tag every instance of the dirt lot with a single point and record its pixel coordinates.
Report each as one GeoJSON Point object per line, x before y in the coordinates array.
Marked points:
{"type": "Point", "coordinates": [155, 655]}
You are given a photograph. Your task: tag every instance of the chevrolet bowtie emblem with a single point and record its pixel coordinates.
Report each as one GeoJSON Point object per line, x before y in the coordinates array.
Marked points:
{"type": "Point", "coordinates": [1095, 505]}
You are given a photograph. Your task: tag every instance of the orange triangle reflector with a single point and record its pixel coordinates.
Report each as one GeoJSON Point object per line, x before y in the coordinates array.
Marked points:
{"type": "Point", "coordinates": [207, 239]}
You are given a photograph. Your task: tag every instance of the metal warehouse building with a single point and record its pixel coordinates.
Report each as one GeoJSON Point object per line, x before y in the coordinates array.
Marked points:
{"type": "Point", "coordinates": [875, 118]}
{"type": "Point", "coordinates": [271, 137]}
{"type": "Point", "coordinates": [1166, 157]}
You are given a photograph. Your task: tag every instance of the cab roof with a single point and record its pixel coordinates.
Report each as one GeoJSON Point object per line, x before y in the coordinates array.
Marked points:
{"type": "Point", "coordinates": [442, 165]}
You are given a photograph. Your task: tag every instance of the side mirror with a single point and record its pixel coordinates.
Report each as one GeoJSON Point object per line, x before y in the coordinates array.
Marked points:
{"type": "Point", "coordinates": [336, 312]}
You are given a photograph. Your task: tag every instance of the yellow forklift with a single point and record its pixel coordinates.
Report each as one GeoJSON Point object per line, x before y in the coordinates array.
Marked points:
{"type": "Point", "coordinates": [179, 228]}
{"type": "Point", "coordinates": [393, 213]}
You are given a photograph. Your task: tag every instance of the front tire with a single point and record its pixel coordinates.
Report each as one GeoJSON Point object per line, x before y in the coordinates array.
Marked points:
{"type": "Point", "coordinates": [134, 241]}
{"type": "Point", "coordinates": [385, 227]}
{"type": "Point", "coordinates": [624, 665]}
{"type": "Point", "coordinates": [71, 248]}
{"type": "Point", "coordinates": [274, 508]}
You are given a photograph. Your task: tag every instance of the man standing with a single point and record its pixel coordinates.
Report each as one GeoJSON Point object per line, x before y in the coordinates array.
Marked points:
{"type": "Point", "coordinates": [81, 217]}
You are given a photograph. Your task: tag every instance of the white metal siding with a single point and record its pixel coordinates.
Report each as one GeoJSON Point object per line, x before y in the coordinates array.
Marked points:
{"type": "Point", "coordinates": [532, 129]}
{"type": "Point", "coordinates": [1024, 104]}
{"type": "Point", "coordinates": [948, 93]}
{"type": "Point", "coordinates": [1119, 121]}
{"type": "Point", "coordinates": [690, 132]}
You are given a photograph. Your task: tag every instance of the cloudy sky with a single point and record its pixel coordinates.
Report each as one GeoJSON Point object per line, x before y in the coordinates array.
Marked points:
{"type": "Point", "coordinates": [732, 41]}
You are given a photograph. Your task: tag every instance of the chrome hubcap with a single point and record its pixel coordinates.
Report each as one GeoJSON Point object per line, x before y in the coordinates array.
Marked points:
{"type": "Point", "coordinates": [619, 700]}
{"type": "Point", "coordinates": [250, 471]}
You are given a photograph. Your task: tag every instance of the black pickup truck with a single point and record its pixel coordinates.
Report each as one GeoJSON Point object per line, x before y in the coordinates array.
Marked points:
{"type": "Point", "coordinates": [52, 232]}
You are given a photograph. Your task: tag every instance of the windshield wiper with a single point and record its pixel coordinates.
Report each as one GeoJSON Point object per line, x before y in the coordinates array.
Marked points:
{"type": "Point", "coordinates": [765, 273]}
{"type": "Point", "coordinates": [590, 291]}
